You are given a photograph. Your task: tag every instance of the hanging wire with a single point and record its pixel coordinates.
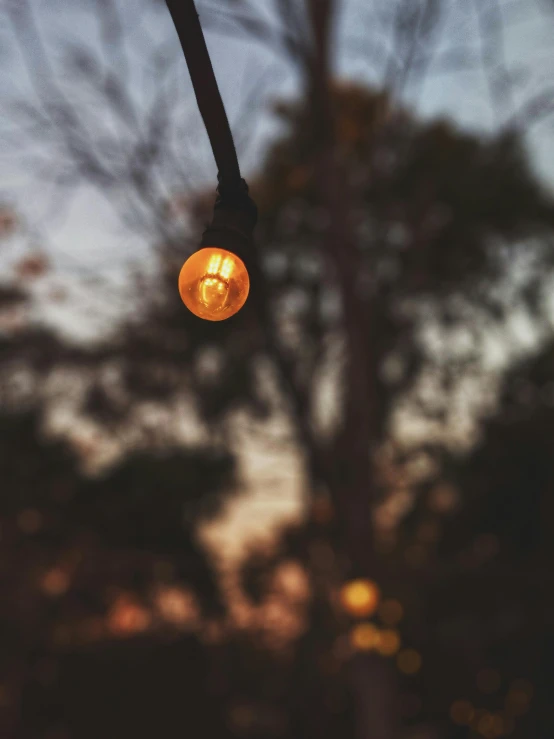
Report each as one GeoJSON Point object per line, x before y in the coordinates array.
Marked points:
{"type": "Point", "coordinates": [208, 97]}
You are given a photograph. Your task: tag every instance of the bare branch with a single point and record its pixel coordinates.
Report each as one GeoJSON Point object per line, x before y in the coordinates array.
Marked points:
{"type": "Point", "coordinates": [534, 110]}
{"type": "Point", "coordinates": [55, 104]}
{"type": "Point", "coordinates": [417, 65]}
{"type": "Point", "coordinates": [243, 25]}
{"type": "Point", "coordinates": [113, 35]}
{"type": "Point", "coordinates": [244, 123]}
{"type": "Point", "coordinates": [374, 48]}
{"type": "Point", "coordinates": [491, 29]}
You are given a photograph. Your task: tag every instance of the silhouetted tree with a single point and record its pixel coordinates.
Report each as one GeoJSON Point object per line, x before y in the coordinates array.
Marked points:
{"type": "Point", "coordinates": [375, 231]}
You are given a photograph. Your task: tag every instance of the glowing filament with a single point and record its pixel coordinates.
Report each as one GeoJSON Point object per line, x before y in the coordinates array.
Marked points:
{"type": "Point", "coordinates": [214, 284]}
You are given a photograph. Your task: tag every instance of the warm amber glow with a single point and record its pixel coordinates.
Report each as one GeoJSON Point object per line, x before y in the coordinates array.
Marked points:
{"type": "Point", "coordinates": [462, 712]}
{"type": "Point", "coordinates": [409, 661]}
{"type": "Point", "coordinates": [491, 725]}
{"type": "Point", "coordinates": [364, 637]}
{"type": "Point", "coordinates": [55, 582]}
{"type": "Point", "coordinates": [128, 617]}
{"type": "Point", "coordinates": [214, 283]}
{"type": "Point", "coordinates": [360, 597]}
{"type": "Point", "coordinates": [176, 606]}
{"type": "Point", "coordinates": [388, 643]}
{"type": "Point", "coordinates": [519, 697]}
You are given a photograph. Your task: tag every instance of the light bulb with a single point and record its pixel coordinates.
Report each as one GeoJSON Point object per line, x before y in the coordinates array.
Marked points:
{"type": "Point", "coordinates": [214, 283]}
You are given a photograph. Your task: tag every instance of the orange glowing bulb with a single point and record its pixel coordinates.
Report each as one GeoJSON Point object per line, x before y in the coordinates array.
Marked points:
{"type": "Point", "coordinates": [214, 283]}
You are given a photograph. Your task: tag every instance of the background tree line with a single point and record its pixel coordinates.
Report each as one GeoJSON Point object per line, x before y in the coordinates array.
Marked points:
{"type": "Point", "coordinates": [399, 262]}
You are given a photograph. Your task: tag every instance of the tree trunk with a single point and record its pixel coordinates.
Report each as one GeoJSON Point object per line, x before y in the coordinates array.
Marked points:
{"type": "Point", "coordinates": [349, 472]}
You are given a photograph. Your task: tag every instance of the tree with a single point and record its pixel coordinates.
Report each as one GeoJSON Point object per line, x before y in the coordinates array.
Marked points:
{"type": "Point", "coordinates": [421, 231]}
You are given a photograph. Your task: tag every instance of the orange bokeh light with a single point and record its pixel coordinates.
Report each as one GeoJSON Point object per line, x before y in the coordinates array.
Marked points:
{"type": "Point", "coordinates": [491, 726]}
{"type": "Point", "coordinates": [389, 642]}
{"type": "Point", "coordinates": [462, 712]}
{"type": "Point", "coordinates": [364, 637]}
{"type": "Point", "coordinates": [214, 283]}
{"type": "Point", "coordinates": [518, 700]}
{"type": "Point", "coordinates": [409, 661]}
{"type": "Point", "coordinates": [55, 582]}
{"type": "Point", "coordinates": [360, 597]}
{"type": "Point", "coordinates": [127, 617]}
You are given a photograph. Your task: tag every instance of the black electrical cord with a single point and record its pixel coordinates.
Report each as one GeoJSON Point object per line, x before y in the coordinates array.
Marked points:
{"type": "Point", "coordinates": [235, 213]}
{"type": "Point", "coordinates": [210, 104]}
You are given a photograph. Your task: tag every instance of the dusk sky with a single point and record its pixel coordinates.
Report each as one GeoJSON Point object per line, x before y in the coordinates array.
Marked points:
{"type": "Point", "coordinates": [85, 239]}
{"type": "Point", "coordinates": [87, 234]}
